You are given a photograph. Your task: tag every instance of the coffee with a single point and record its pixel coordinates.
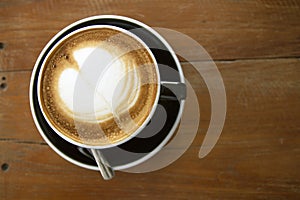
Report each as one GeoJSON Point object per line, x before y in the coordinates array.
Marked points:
{"type": "Point", "coordinates": [98, 86]}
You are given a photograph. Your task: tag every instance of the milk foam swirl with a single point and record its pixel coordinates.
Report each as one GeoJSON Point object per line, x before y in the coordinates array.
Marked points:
{"type": "Point", "coordinates": [112, 84]}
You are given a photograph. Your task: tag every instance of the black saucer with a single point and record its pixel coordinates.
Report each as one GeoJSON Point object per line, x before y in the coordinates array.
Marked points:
{"type": "Point", "coordinates": [145, 142]}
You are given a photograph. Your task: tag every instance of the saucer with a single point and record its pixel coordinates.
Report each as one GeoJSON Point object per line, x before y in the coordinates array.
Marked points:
{"type": "Point", "coordinates": [163, 123]}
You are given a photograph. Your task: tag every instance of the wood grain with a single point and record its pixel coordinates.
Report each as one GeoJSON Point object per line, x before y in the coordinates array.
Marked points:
{"type": "Point", "coordinates": [257, 48]}
{"type": "Point", "coordinates": [228, 30]}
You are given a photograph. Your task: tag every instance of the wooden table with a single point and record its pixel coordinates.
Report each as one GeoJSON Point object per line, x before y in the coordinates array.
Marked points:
{"type": "Point", "coordinates": [256, 46]}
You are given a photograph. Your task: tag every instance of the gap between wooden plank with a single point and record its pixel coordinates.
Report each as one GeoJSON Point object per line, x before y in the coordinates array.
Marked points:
{"type": "Point", "coordinates": [198, 61]}
{"type": "Point", "coordinates": [21, 141]}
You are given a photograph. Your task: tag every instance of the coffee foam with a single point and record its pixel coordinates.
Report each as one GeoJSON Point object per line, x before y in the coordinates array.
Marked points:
{"type": "Point", "coordinates": [93, 86]}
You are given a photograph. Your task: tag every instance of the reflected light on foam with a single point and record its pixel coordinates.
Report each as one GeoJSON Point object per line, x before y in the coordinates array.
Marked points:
{"type": "Point", "coordinates": [66, 86]}
{"type": "Point", "coordinates": [81, 55]}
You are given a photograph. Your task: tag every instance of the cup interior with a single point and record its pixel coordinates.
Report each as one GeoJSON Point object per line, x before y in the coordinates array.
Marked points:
{"type": "Point", "coordinates": [60, 42]}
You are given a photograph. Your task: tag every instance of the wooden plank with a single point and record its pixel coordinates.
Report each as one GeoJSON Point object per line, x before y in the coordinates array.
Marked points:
{"type": "Point", "coordinates": [16, 121]}
{"type": "Point", "coordinates": [262, 93]}
{"type": "Point", "coordinates": [227, 30]}
{"type": "Point", "coordinates": [233, 171]}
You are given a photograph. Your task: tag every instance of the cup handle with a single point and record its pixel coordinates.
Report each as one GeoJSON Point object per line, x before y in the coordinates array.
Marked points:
{"type": "Point", "coordinates": [177, 88]}
{"type": "Point", "coordinates": [105, 169]}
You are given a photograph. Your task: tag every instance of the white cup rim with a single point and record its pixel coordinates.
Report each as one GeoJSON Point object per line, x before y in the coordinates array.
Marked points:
{"type": "Point", "coordinates": [140, 128]}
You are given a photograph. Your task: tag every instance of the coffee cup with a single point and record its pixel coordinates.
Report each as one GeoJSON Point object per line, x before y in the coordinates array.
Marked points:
{"type": "Point", "coordinates": [98, 87]}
